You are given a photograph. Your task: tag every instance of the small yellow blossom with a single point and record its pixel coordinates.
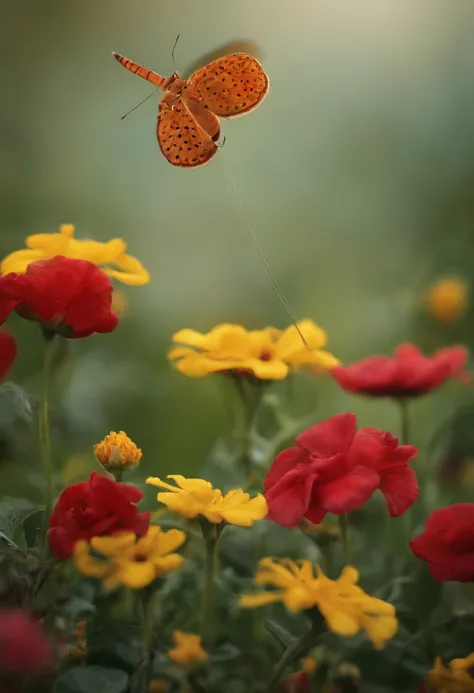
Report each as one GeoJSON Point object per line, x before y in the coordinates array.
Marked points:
{"type": "Point", "coordinates": [46, 245]}
{"type": "Point", "coordinates": [119, 302]}
{"type": "Point", "coordinates": [267, 354]}
{"type": "Point", "coordinates": [447, 299]}
{"type": "Point", "coordinates": [158, 686]}
{"type": "Point", "coordinates": [128, 561]}
{"type": "Point", "coordinates": [117, 452]}
{"type": "Point", "coordinates": [193, 497]}
{"type": "Point", "coordinates": [458, 677]}
{"type": "Point", "coordinates": [187, 650]}
{"type": "Point", "coordinates": [309, 665]}
{"type": "Point", "coordinates": [345, 607]}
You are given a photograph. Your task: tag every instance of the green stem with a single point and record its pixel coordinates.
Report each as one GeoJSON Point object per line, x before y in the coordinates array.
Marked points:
{"type": "Point", "coordinates": [50, 341]}
{"type": "Point", "coordinates": [328, 559]}
{"type": "Point", "coordinates": [118, 474]}
{"type": "Point", "coordinates": [344, 525]}
{"type": "Point", "coordinates": [405, 422]}
{"type": "Point", "coordinates": [210, 537]}
{"type": "Point", "coordinates": [299, 648]}
{"type": "Point", "coordinates": [148, 625]}
{"type": "Point", "coordinates": [250, 407]}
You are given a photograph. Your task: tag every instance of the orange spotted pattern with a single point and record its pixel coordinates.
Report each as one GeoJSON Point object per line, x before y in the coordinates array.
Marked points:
{"type": "Point", "coordinates": [188, 117]}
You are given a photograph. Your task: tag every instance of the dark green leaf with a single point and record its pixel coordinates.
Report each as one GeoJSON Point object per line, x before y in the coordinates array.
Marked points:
{"type": "Point", "coordinates": [280, 633]}
{"type": "Point", "coordinates": [93, 679]}
{"type": "Point", "coordinates": [13, 513]}
{"type": "Point", "coordinates": [116, 645]}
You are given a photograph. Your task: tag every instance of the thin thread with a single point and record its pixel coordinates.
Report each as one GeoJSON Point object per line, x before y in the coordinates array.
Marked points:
{"type": "Point", "coordinates": [260, 255]}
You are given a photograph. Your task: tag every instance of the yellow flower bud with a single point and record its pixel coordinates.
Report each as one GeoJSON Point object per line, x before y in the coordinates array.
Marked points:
{"type": "Point", "coordinates": [447, 299]}
{"type": "Point", "coordinates": [117, 452]}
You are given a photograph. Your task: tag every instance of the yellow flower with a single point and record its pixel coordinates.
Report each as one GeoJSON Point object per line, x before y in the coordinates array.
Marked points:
{"type": "Point", "coordinates": [193, 497]}
{"type": "Point", "coordinates": [47, 245]}
{"type": "Point", "coordinates": [187, 650]}
{"type": "Point", "coordinates": [447, 299]}
{"type": "Point", "coordinates": [117, 452]}
{"type": "Point", "coordinates": [158, 686]}
{"type": "Point", "coordinates": [119, 302]}
{"type": "Point", "coordinates": [345, 607]}
{"type": "Point", "coordinates": [267, 354]}
{"type": "Point", "coordinates": [128, 561]}
{"type": "Point", "coordinates": [457, 678]}
{"type": "Point", "coordinates": [309, 665]}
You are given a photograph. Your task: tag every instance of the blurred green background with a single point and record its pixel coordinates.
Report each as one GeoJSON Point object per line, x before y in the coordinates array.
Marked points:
{"type": "Point", "coordinates": [357, 175]}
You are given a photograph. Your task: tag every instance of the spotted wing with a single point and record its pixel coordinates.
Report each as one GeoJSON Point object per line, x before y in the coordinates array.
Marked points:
{"type": "Point", "coordinates": [183, 141]}
{"type": "Point", "coordinates": [230, 86]}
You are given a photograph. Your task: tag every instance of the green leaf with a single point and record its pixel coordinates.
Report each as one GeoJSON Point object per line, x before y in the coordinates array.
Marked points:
{"type": "Point", "coordinates": [13, 513]}
{"type": "Point", "coordinates": [93, 679]}
{"type": "Point", "coordinates": [116, 645]}
{"type": "Point", "coordinates": [280, 633]}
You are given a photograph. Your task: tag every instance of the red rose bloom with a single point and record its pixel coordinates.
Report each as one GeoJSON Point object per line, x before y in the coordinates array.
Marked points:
{"type": "Point", "coordinates": [72, 297]}
{"type": "Point", "coordinates": [447, 544]}
{"type": "Point", "coordinates": [94, 508]}
{"type": "Point", "coordinates": [335, 468]}
{"type": "Point", "coordinates": [24, 647]}
{"type": "Point", "coordinates": [407, 374]}
{"type": "Point", "coordinates": [299, 682]}
{"type": "Point", "coordinates": [7, 352]}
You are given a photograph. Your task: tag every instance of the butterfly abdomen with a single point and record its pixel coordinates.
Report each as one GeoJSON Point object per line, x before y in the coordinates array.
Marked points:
{"type": "Point", "coordinates": [139, 70]}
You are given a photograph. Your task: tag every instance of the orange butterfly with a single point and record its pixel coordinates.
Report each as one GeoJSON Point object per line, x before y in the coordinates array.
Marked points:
{"type": "Point", "coordinates": [188, 116]}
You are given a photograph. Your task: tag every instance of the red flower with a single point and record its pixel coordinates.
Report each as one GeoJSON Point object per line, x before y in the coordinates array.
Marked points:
{"type": "Point", "coordinates": [94, 508]}
{"type": "Point", "coordinates": [299, 682]}
{"type": "Point", "coordinates": [407, 374]}
{"type": "Point", "coordinates": [7, 352]}
{"type": "Point", "coordinates": [24, 647]}
{"type": "Point", "coordinates": [335, 468]}
{"type": "Point", "coordinates": [447, 544]}
{"type": "Point", "coordinates": [72, 297]}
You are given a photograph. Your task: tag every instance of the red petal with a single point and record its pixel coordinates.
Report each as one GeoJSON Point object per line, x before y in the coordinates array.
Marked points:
{"type": "Point", "coordinates": [288, 499]}
{"type": "Point", "coordinates": [350, 492]}
{"type": "Point", "coordinates": [400, 488]}
{"type": "Point", "coordinates": [284, 462]}
{"type": "Point", "coordinates": [329, 437]}
{"type": "Point", "coordinates": [8, 351]}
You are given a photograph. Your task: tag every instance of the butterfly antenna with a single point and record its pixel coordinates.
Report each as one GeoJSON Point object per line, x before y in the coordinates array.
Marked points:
{"type": "Point", "coordinates": [261, 256]}
{"type": "Point", "coordinates": [139, 104]}
{"type": "Point", "coordinates": [172, 52]}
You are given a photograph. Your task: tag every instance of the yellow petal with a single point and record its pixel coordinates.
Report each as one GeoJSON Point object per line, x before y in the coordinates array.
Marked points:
{"type": "Point", "coordinates": [169, 541]}
{"type": "Point", "coordinates": [165, 564]}
{"type": "Point", "coordinates": [87, 564]}
{"type": "Point", "coordinates": [190, 337]}
{"type": "Point", "coordinates": [250, 601]}
{"type": "Point", "coordinates": [339, 620]}
{"type": "Point", "coordinates": [114, 544]}
{"type": "Point", "coordinates": [136, 575]}
{"type": "Point", "coordinates": [290, 341]}
{"type": "Point", "coordinates": [245, 514]}
{"type": "Point", "coordinates": [267, 370]}
{"type": "Point", "coordinates": [182, 503]}
{"type": "Point", "coordinates": [299, 597]}
{"type": "Point", "coordinates": [19, 261]}
{"type": "Point", "coordinates": [349, 576]}
{"type": "Point", "coordinates": [380, 629]}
